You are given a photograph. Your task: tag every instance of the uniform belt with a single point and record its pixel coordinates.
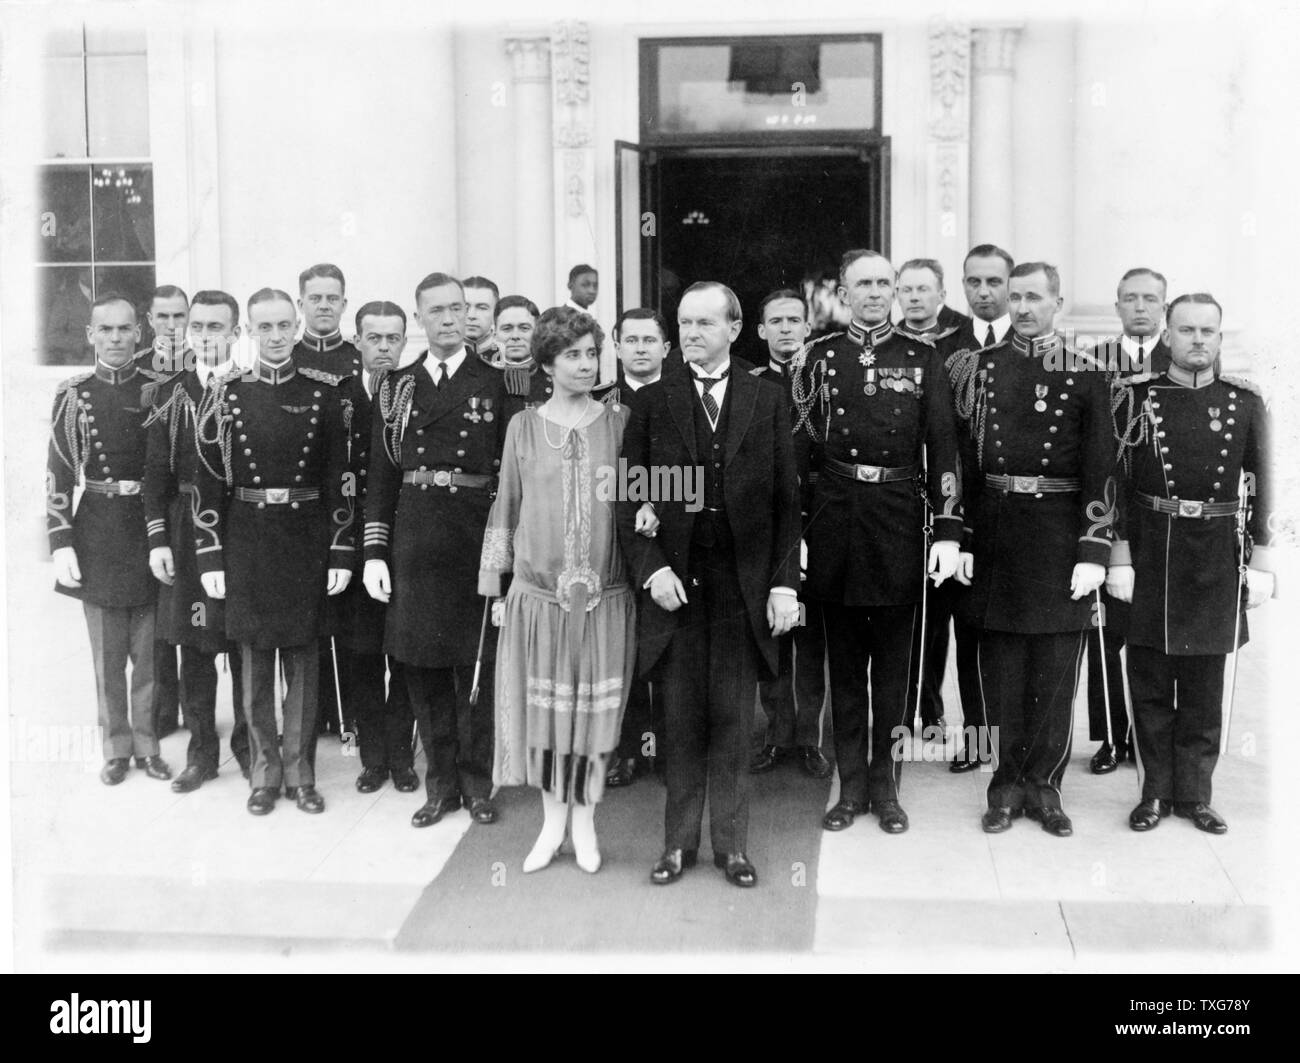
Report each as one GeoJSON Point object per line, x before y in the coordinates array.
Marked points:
{"type": "Point", "coordinates": [1188, 507]}
{"type": "Point", "coordinates": [185, 488]}
{"type": "Point", "coordinates": [447, 478]}
{"type": "Point", "coordinates": [277, 496]}
{"type": "Point", "coordinates": [114, 487]}
{"type": "Point", "coordinates": [870, 474]}
{"type": "Point", "coordinates": [1032, 485]}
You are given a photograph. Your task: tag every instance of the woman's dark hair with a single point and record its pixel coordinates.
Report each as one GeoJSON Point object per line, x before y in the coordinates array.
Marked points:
{"type": "Point", "coordinates": [558, 329]}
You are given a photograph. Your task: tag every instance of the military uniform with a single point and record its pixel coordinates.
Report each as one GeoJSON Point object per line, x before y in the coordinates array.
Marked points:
{"type": "Point", "coordinates": [187, 617]}
{"type": "Point", "coordinates": [97, 431]}
{"type": "Point", "coordinates": [1122, 362]}
{"type": "Point", "coordinates": [1037, 455]}
{"type": "Point", "coordinates": [274, 510]}
{"type": "Point", "coordinates": [526, 386]}
{"type": "Point", "coordinates": [1186, 441]}
{"type": "Point", "coordinates": [871, 407]}
{"type": "Point", "coordinates": [434, 457]}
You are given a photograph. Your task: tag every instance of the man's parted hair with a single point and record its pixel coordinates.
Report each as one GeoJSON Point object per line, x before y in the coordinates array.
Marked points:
{"type": "Point", "coordinates": [482, 282]}
{"type": "Point", "coordinates": [321, 269]}
{"type": "Point", "coordinates": [989, 251]}
{"type": "Point", "coordinates": [1027, 269]}
{"type": "Point", "coordinates": [1143, 271]}
{"type": "Point", "coordinates": [850, 257]}
{"type": "Point", "coordinates": [108, 298]}
{"type": "Point", "coordinates": [559, 329]}
{"type": "Point", "coordinates": [580, 269]}
{"type": "Point", "coordinates": [513, 302]}
{"type": "Point", "coordinates": [437, 280]}
{"type": "Point", "coordinates": [1201, 298]}
{"type": "Point", "coordinates": [267, 295]}
{"type": "Point", "coordinates": [641, 313]}
{"type": "Point", "coordinates": [380, 308]}
{"type": "Point", "coordinates": [214, 297]}
{"type": "Point", "coordinates": [168, 291]}
{"type": "Point", "coordinates": [922, 263]}
{"type": "Point", "coordinates": [776, 297]}
{"type": "Point", "coordinates": [733, 304]}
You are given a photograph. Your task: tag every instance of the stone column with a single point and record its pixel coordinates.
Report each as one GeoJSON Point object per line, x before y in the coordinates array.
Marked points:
{"type": "Point", "coordinates": [947, 227]}
{"type": "Point", "coordinates": [534, 205]}
{"type": "Point", "coordinates": [992, 72]}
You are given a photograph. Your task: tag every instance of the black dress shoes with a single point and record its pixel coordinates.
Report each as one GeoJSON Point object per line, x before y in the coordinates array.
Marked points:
{"type": "Point", "coordinates": [192, 778]}
{"type": "Point", "coordinates": [842, 815]}
{"type": "Point", "coordinates": [1148, 814]}
{"type": "Point", "coordinates": [815, 763]}
{"type": "Point", "coordinates": [766, 759]}
{"type": "Point", "coordinates": [1052, 820]}
{"type": "Point", "coordinates": [114, 771]}
{"type": "Point", "coordinates": [963, 762]}
{"type": "Point", "coordinates": [623, 773]}
{"type": "Point", "coordinates": [740, 872]}
{"type": "Point", "coordinates": [997, 820]}
{"type": "Point", "coordinates": [432, 811]}
{"type": "Point", "coordinates": [405, 781]}
{"type": "Point", "coordinates": [482, 810]}
{"type": "Point", "coordinates": [262, 800]}
{"type": "Point", "coordinates": [154, 767]}
{"type": "Point", "coordinates": [893, 820]}
{"type": "Point", "coordinates": [669, 867]}
{"type": "Point", "coordinates": [307, 799]}
{"type": "Point", "coordinates": [371, 779]}
{"type": "Point", "coordinates": [1108, 758]}
{"type": "Point", "coordinates": [1203, 817]}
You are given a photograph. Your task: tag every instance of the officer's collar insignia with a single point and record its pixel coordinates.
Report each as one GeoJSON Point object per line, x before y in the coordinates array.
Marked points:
{"type": "Point", "coordinates": [115, 376]}
{"type": "Point", "coordinates": [322, 344]}
{"type": "Point", "coordinates": [275, 374]}
{"type": "Point", "coordinates": [1038, 346]}
{"type": "Point", "coordinates": [1188, 379]}
{"type": "Point", "coordinates": [869, 337]}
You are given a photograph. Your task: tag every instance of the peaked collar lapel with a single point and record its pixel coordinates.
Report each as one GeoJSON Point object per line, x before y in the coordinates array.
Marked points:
{"type": "Point", "coordinates": [742, 393]}
{"type": "Point", "coordinates": [680, 395]}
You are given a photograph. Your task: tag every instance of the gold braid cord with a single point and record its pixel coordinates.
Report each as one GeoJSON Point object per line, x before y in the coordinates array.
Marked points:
{"type": "Point", "coordinates": [967, 381]}
{"type": "Point", "coordinates": [69, 429]}
{"type": "Point", "coordinates": [394, 407]}
{"type": "Point", "coordinates": [1130, 423]}
{"type": "Point", "coordinates": [808, 388]}
{"type": "Point", "coordinates": [213, 427]}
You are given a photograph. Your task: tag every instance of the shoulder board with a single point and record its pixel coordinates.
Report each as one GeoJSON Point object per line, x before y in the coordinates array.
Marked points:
{"type": "Point", "coordinates": [332, 379]}
{"type": "Point", "coordinates": [74, 382]}
{"type": "Point", "coordinates": [758, 370]}
{"type": "Point", "coordinates": [910, 337]}
{"type": "Point", "coordinates": [1238, 382]}
{"type": "Point", "coordinates": [947, 332]}
{"type": "Point", "coordinates": [1136, 378]}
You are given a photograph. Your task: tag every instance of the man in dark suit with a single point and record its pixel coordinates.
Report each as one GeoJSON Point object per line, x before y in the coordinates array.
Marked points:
{"type": "Point", "coordinates": [435, 452]}
{"type": "Point", "coordinates": [793, 701]}
{"type": "Point", "coordinates": [986, 273]}
{"type": "Point", "coordinates": [641, 339]}
{"type": "Point", "coordinates": [1139, 349]}
{"type": "Point", "coordinates": [721, 573]}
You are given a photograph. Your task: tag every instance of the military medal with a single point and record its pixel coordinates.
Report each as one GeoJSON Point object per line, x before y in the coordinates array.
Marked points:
{"type": "Point", "coordinates": [867, 358]}
{"type": "Point", "coordinates": [473, 416]}
{"type": "Point", "coordinates": [1215, 424]}
{"type": "Point", "coordinates": [488, 415]}
{"type": "Point", "coordinates": [1041, 391]}
{"type": "Point", "coordinates": [869, 388]}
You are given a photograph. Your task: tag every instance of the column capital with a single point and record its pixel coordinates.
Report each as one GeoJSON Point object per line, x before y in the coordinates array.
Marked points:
{"type": "Point", "coordinates": [530, 57]}
{"type": "Point", "coordinates": [994, 47]}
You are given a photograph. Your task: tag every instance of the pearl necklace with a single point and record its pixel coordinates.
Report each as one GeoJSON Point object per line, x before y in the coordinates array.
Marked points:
{"type": "Point", "coordinates": [568, 429]}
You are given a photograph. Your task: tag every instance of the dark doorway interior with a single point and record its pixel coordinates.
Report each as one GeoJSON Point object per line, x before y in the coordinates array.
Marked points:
{"type": "Point", "coordinates": [757, 221]}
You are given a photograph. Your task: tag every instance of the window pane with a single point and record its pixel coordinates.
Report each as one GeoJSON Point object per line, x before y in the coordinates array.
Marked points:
{"type": "Point", "coordinates": [123, 199]}
{"type": "Point", "coordinates": [108, 41]}
{"type": "Point", "coordinates": [134, 282]}
{"type": "Point", "coordinates": [63, 302]}
{"type": "Point", "coordinates": [63, 214]}
{"type": "Point", "coordinates": [792, 84]}
{"type": "Point", "coordinates": [117, 99]}
{"type": "Point", "coordinates": [64, 112]}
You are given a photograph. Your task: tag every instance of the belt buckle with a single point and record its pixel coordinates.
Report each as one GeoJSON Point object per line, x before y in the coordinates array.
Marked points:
{"type": "Point", "coordinates": [1190, 508]}
{"type": "Point", "coordinates": [1024, 485]}
{"type": "Point", "coordinates": [441, 478]}
{"type": "Point", "coordinates": [277, 495]}
{"type": "Point", "coordinates": [128, 487]}
{"type": "Point", "coordinates": [868, 473]}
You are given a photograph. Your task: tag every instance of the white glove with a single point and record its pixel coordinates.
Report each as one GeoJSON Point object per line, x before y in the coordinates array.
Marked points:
{"type": "Point", "coordinates": [965, 568]}
{"type": "Point", "coordinates": [339, 578]}
{"type": "Point", "coordinates": [375, 577]}
{"type": "Point", "coordinates": [1259, 587]}
{"type": "Point", "coordinates": [214, 584]}
{"type": "Point", "coordinates": [66, 569]}
{"type": "Point", "coordinates": [1086, 579]}
{"type": "Point", "coordinates": [161, 565]}
{"type": "Point", "coordinates": [944, 557]}
{"type": "Point", "coordinates": [1119, 582]}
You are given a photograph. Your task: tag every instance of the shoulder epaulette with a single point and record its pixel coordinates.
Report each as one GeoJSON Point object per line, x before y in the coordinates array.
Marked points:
{"type": "Point", "coordinates": [947, 332]}
{"type": "Point", "coordinates": [75, 381]}
{"type": "Point", "coordinates": [332, 379]}
{"type": "Point", "coordinates": [917, 336]}
{"type": "Point", "coordinates": [758, 370]}
{"type": "Point", "coordinates": [1136, 378]}
{"type": "Point", "coordinates": [1239, 382]}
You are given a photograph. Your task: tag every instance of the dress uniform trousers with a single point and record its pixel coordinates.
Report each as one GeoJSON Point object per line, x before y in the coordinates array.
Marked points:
{"type": "Point", "coordinates": [870, 665]}
{"type": "Point", "coordinates": [1032, 731]}
{"type": "Point", "coordinates": [1178, 714]}
{"type": "Point", "coordinates": [383, 711]}
{"type": "Point", "coordinates": [116, 635]}
{"type": "Point", "coordinates": [291, 763]}
{"type": "Point", "coordinates": [709, 671]}
{"type": "Point", "coordinates": [167, 688]}
{"type": "Point", "coordinates": [1113, 680]}
{"type": "Point", "coordinates": [793, 700]}
{"type": "Point", "coordinates": [457, 736]}
{"type": "Point", "coordinates": [199, 678]}
{"type": "Point", "coordinates": [936, 661]}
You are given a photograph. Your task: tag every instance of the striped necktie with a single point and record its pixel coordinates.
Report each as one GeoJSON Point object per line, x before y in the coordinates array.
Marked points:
{"type": "Point", "coordinates": [710, 403]}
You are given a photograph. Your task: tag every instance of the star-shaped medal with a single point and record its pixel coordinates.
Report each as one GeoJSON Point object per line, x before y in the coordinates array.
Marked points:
{"type": "Point", "coordinates": [867, 358]}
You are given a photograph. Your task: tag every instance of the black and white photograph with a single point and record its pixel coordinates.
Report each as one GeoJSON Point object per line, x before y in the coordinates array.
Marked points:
{"type": "Point", "coordinates": [582, 487]}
